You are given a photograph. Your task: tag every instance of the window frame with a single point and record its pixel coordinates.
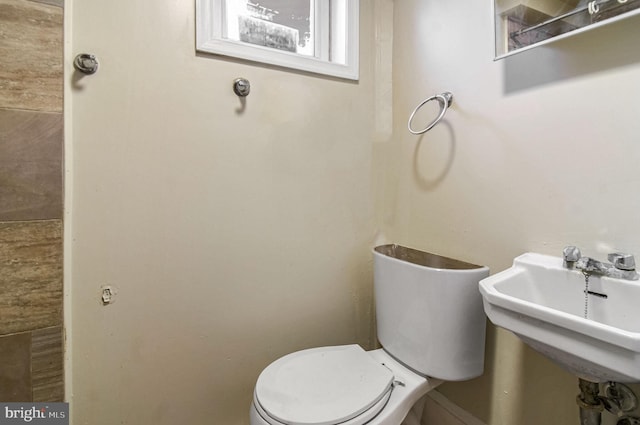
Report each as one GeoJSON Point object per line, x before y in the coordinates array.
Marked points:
{"type": "Point", "coordinates": [210, 24]}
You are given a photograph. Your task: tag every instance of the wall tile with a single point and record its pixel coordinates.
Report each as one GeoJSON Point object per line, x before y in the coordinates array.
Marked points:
{"type": "Point", "coordinates": [31, 74]}
{"type": "Point", "coordinates": [47, 372]}
{"type": "Point", "coordinates": [31, 150]}
{"type": "Point", "coordinates": [15, 367]}
{"type": "Point", "coordinates": [31, 186]}
{"type": "Point", "coordinates": [58, 3]}
{"type": "Point", "coordinates": [31, 278]}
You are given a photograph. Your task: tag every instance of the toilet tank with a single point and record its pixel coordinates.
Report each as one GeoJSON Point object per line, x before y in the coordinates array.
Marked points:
{"type": "Point", "coordinates": [429, 312]}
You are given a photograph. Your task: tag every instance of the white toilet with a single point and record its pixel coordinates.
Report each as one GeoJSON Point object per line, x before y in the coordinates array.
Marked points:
{"type": "Point", "coordinates": [431, 326]}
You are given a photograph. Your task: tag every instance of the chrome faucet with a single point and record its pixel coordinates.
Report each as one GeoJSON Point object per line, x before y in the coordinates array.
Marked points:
{"type": "Point", "coordinates": [621, 266]}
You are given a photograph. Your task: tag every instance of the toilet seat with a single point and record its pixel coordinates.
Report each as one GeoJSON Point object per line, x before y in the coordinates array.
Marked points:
{"type": "Point", "coordinates": [323, 386]}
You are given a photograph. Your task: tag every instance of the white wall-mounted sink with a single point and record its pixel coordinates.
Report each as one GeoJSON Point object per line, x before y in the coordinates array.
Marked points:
{"type": "Point", "coordinates": [543, 303]}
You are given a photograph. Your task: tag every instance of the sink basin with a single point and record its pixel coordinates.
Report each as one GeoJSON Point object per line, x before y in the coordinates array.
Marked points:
{"type": "Point", "coordinates": [543, 303]}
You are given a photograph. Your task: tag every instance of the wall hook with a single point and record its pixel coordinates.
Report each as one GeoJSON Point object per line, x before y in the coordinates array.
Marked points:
{"type": "Point", "coordinates": [86, 63]}
{"type": "Point", "coordinates": [241, 87]}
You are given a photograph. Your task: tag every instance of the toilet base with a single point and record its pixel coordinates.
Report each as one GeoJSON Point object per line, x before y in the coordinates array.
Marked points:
{"type": "Point", "coordinates": [414, 416]}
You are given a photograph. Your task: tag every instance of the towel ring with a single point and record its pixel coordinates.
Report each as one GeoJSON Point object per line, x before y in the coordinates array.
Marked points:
{"type": "Point", "coordinates": [445, 100]}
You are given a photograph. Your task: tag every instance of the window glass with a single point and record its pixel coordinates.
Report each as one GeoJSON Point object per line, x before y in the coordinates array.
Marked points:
{"type": "Point", "coordinates": [278, 24]}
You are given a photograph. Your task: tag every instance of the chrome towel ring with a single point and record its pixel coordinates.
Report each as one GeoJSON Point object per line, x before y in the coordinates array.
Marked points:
{"type": "Point", "coordinates": [445, 100]}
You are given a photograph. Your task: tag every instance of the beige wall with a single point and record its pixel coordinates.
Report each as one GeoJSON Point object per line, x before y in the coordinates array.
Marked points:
{"type": "Point", "coordinates": [233, 238]}
{"type": "Point", "coordinates": [230, 237]}
{"type": "Point", "coordinates": [539, 151]}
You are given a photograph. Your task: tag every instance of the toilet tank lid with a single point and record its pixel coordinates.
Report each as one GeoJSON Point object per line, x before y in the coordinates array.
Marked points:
{"type": "Point", "coordinates": [321, 386]}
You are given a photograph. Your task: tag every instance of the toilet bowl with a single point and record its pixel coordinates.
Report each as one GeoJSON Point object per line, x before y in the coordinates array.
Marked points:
{"type": "Point", "coordinates": [431, 326]}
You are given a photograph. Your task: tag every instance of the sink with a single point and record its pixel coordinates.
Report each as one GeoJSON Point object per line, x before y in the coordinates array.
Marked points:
{"type": "Point", "coordinates": [543, 303]}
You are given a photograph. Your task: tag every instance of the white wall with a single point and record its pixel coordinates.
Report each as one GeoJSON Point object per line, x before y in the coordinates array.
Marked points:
{"type": "Point", "coordinates": [539, 151]}
{"type": "Point", "coordinates": [231, 237]}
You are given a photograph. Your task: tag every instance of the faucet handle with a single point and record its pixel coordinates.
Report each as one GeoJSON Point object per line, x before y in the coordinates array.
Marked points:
{"type": "Point", "coordinates": [571, 254]}
{"type": "Point", "coordinates": [622, 261]}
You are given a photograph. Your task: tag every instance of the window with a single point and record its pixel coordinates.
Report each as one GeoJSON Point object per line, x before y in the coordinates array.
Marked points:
{"type": "Point", "coordinates": [319, 36]}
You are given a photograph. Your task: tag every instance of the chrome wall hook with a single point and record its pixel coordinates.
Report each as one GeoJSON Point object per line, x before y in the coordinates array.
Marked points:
{"type": "Point", "coordinates": [86, 63]}
{"type": "Point", "coordinates": [241, 87]}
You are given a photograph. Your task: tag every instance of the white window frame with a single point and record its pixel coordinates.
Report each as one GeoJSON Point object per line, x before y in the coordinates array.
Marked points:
{"type": "Point", "coordinates": [209, 39]}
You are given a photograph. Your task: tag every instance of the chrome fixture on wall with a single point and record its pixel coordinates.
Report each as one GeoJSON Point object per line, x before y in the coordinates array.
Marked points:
{"type": "Point", "coordinates": [86, 63]}
{"type": "Point", "coordinates": [241, 87]}
{"type": "Point", "coordinates": [445, 100]}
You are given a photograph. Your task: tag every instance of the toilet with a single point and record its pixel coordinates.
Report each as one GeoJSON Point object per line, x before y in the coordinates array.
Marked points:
{"type": "Point", "coordinates": [431, 327]}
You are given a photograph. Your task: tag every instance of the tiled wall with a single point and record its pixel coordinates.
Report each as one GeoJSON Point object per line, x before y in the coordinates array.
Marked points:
{"type": "Point", "coordinates": [31, 182]}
